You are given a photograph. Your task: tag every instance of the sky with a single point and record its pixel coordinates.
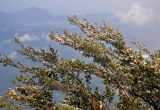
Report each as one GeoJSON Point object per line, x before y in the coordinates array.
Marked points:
{"type": "Point", "coordinates": [78, 6]}
{"type": "Point", "coordinates": [141, 13]}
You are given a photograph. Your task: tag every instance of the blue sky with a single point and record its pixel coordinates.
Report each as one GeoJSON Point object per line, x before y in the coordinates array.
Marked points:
{"type": "Point", "coordinates": [142, 13]}
{"type": "Point", "coordinates": [139, 12]}
{"type": "Point", "coordinates": [140, 18]}
{"type": "Point", "coordinates": [77, 6]}
{"type": "Point", "coordinates": [63, 6]}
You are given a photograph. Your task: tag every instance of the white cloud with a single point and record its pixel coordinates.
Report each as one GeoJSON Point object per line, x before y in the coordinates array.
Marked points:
{"type": "Point", "coordinates": [137, 14]}
{"type": "Point", "coordinates": [28, 37]}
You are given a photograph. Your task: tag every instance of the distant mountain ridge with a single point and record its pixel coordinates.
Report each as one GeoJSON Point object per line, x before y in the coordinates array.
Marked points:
{"type": "Point", "coordinates": [36, 18]}
{"type": "Point", "coordinates": [32, 15]}
{"type": "Point", "coordinates": [28, 20]}
{"type": "Point", "coordinates": [29, 15]}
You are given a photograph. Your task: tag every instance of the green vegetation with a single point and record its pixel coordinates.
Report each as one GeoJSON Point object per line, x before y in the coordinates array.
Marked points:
{"type": "Point", "coordinates": [132, 75]}
{"type": "Point", "coordinates": [2, 103]}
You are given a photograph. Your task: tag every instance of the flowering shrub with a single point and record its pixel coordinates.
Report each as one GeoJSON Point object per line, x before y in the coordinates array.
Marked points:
{"type": "Point", "coordinates": [125, 72]}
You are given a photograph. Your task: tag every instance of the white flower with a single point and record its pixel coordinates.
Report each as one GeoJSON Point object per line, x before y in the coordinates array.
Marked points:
{"type": "Point", "coordinates": [73, 60]}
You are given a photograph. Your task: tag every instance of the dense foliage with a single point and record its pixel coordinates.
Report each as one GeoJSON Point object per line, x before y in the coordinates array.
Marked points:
{"type": "Point", "coordinates": [132, 75]}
